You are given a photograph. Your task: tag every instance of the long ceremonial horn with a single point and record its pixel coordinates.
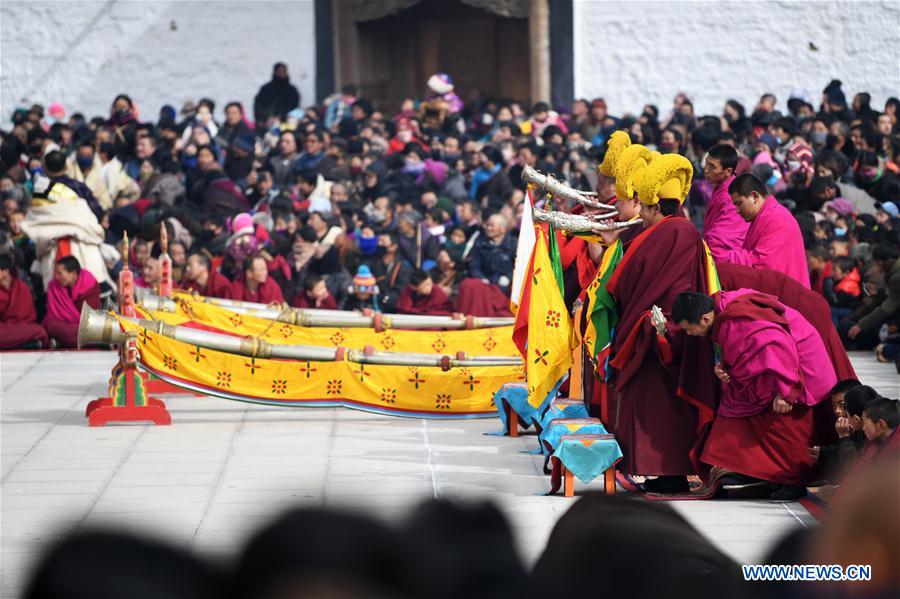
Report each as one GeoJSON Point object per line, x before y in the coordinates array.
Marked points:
{"type": "Point", "coordinates": [334, 318]}
{"type": "Point", "coordinates": [101, 327]}
{"type": "Point", "coordinates": [576, 223]}
{"type": "Point", "coordinates": [558, 188]}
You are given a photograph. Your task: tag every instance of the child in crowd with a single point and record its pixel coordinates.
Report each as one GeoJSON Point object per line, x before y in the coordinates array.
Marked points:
{"type": "Point", "coordinates": [818, 259]}
{"type": "Point", "coordinates": [879, 422]}
{"type": "Point", "coordinates": [844, 291]}
{"type": "Point", "coordinates": [364, 291]}
{"type": "Point", "coordinates": [315, 295]}
{"type": "Point", "coordinates": [833, 458]}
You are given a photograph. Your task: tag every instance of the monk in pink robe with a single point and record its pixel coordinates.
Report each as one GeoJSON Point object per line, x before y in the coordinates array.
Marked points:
{"type": "Point", "coordinates": [774, 369]}
{"type": "Point", "coordinates": [71, 288]}
{"type": "Point", "coordinates": [773, 239]}
{"type": "Point", "coordinates": [18, 318]}
{"type": "Point", "coordinates": [723, 227]}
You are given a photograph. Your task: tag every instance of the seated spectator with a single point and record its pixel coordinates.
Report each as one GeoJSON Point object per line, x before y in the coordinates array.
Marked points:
{"type": "Point", "coordinates": [493, 254]}
{"type": "Point", "coordinates": [417, 245]}
{"type": "Point", "coordinates": [282, 163]}
{"type": "Point", "coordinates": [491, 186]}
{"type": "Point", "coordinates": [820, 267]}
{"type": "Point", "coordinates": [314, 158]}
{"type": "Point", "coordinates": [315, 295]}
{"type": "Point", "coordinates": [254, 284]}
{"type": "Point", "coordinates": [422, 296]}
{"type": "Point", "coordinates": [880, 420]}
{"type": "Point", "coordinates": [846, 289]}
{"type": "Point", "coordinates": [178, 253]}
{"type": "Point", "coordinates": [71, 288]}
{"type": "Point", "coordinates": [485, 292]}
{"type": "Point", "coordinates": [447, 273]}
{"type": "Point", "coordinates": [860, 329]}
{"type": "Point", "coordinates": [151, 275]}
{"type": "Point", "coordinates": [363, 292]}
{"type": "Point", "coordinates": [201, 278]}
{"type": "Point", "coordinates": [391, 270]}
{"type": "Point", "coordinates": [846, 396]}
{"type": "Point", "coordinates": [18, 318]}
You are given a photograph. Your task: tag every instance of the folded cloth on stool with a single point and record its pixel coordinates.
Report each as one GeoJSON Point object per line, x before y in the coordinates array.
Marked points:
{"type": "Point", "coordinates": [562, 407]}
{"type": "Point", "coordinates": [514, 396]}
{"type": "Point", "coordinates": [555, 430]}
{"type": "Point", "coordinates": [587, 456]}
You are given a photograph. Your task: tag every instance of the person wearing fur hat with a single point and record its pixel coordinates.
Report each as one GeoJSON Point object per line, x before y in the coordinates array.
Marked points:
{"type": "Point", "coordinates": [663, 406]}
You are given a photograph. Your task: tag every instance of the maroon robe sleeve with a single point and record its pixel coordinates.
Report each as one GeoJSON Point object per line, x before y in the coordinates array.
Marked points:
{"type": "Point", "coordinates": [16, 304]}
{"type": "Point", "coordinates": [406, 304]}
{"type": "Point", "coordinates": [217, 285]}
{"type": "Point", "coordinates": [91, 298]}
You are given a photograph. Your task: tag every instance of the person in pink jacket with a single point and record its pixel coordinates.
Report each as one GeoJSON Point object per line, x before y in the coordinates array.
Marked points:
{"type": "Point", "coordinates": [773, 240]}
{"type": "Point", "coordinates": [723, 227]}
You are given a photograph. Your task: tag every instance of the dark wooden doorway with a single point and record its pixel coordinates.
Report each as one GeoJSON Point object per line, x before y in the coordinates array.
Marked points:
{"type": "Point", "coordinates": [485, 54]}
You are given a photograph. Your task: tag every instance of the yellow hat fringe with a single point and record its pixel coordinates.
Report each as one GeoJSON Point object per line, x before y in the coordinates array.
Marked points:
{"type": "Point", "coordinates": [618, 141]}
{"type": "Point", "coordinates": [660, 171]}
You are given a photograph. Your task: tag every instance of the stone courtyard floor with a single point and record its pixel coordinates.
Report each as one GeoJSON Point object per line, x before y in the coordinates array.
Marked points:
{"type": "Point", "coordinates": [224, 468]}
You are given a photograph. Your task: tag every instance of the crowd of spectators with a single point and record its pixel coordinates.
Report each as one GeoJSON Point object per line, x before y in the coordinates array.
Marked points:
{"type": "Point", "coordinates": [342, 205]}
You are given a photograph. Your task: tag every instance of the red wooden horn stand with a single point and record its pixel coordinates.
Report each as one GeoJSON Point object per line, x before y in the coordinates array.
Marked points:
{"type": "Point", "coordinates": [129, 399]}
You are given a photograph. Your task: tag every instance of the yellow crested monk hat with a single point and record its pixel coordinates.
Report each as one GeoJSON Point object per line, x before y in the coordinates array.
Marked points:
{"type": "Point", "coordinates": [617, 143]}
{"type": "Point", "coordinates": [665, 178]}
{"type": "Point", "coordinates": [630, 168]}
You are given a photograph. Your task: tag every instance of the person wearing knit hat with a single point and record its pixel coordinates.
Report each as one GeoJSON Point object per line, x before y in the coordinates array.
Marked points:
{"type": "Point", "coordinates": [364, 291]}
{"type": "Point", "coordinates": [441, 86]}
{"type": "Point", "coordinates": [618, 141]}
{"type": "Point", "coordinates": [658, 418]}
{"type": "Point", "coordinates": [55, 113]}
{"type": "Point", "coordinates": [773, 240]}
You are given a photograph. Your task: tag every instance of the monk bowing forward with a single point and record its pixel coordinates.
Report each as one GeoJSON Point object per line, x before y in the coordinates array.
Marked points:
{"type": "Point", "coordinates": [773, 240]}
{"type": "Point", "coordinates": [774, 369]}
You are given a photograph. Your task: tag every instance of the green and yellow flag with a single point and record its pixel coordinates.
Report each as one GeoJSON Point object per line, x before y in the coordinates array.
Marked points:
{"type": "Point", "coordinates": [602, 316]}
{"type": "Point", "coordinates": [551, 336]}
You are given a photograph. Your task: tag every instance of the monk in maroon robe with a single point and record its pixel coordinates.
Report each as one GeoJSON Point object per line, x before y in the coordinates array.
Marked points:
{"type": "Point", "coordinates": [200, 277]}
{"type": "Point", "coordinates": [255, 285]}
{"type": "Point", "coordinates": [774, 370]}
{"type": "Point", "coordinates": [314, 295]}
{"type": "Point", "coordinates": [18, 318]}
{"type": "Point", "coordinates": [665, 385]}
{"type": "Point", "coordinates": [791, 293]}
{"type": "Point", "coordinates": [71, 288]}
{"type": "Point", "coordinates": [422, 296]}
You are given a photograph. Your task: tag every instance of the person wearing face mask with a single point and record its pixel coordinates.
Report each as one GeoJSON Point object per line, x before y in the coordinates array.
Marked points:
{"type": "Point", "coordinates": [85, 167]}
{"type": "Point", "coordinates": [123, 120]}
{"type": "Point", "coordinates": [874, 178]}
{"type": "Point", "coordinates": [392, 271]}
{"type": "Point", "coordinates": [798, 173]}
